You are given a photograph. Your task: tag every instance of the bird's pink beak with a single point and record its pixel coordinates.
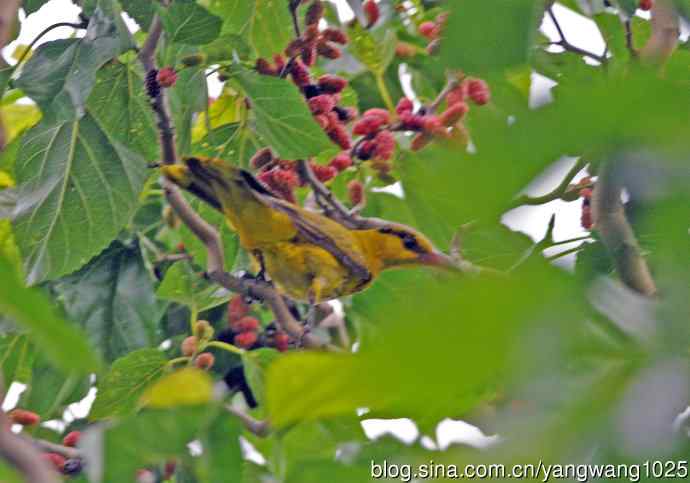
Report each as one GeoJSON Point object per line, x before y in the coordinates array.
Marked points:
{"type": "Point", "coordinates": [438, 260]}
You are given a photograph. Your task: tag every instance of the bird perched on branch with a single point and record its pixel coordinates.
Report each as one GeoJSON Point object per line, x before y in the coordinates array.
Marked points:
{"type": "Point", "coordinates": [308, 256]}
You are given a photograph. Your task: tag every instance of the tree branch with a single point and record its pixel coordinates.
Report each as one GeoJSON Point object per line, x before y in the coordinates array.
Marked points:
{"type": "Point", "coordinates": [562, 191]}
{"type": "Point", "coordinates": [49, 447]}
{"type": "Point", "coordinates": [563, 42]}
{"type": "Point", "coordinates": [254, 426]}
{"type": "Point", "coordinates": [617, 234]}
{"type": "Point", "coordinates": [665, 32]}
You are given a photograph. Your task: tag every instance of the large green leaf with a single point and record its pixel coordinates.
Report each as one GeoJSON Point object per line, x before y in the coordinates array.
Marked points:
{"type": "Point", "coordinates": [31, 6]}
{"type": "Point", "coordinates": [113, 299]}
{"type": "Point", "coordinates": [61, 74]}
{"type": "Point", "coordinates": [141, 11]}
{"type": "Point", "coordinates": [282, 116]}
{"type": "Point", "coordinates": [375, 50]}
{"type": "Point", "coordinates": [190, 23]}
{"type": "Point", "coordinates": [185, 286]}
{"type": "Point", "coordinates": [63, 343]}
{"type": "Point", "coordinates": [16, 358]}
{"type": "Point", "coordinates": [500, 40]}
{"type": "Point", "coordinates": [120, 389]}
{"type": "Point", "coordinates": [222, 459]}
{"type": "Point", "coordinates": [148, 438]}
{"type": "Point", "coordinates": [442, 345]}
{"type": "Point", "coordinates": [50, 391]}
{"type": "Point", "coordinates": [80, 179]}
{"type": "Point", "coordinates": [265, 24]}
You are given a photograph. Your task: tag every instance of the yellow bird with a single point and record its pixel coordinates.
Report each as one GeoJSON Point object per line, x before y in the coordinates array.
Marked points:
{"type": "Point", "coordinates": [308, 256]}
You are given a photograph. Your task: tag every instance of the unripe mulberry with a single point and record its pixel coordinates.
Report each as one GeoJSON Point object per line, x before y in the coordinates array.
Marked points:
{"type": "Point", "coordinates": [355, 192]}
{"type": "Point", "coordinates": [367, 126]}
{"type": "Point", "coordinates": [24, 417]}
{"type": "Point", "coordinates": [646, 4]}
{"type": "Point", "coordinates": [300, 74]}
{"type": "Point", "coordinates": [314, 13]}
{"type": "Point", "coordinates": [366, 150]}
{"type": "Point", "coordinates": [457, 95]}
{"type": "Point", "coordinates": [204, 361]}
{"type": "Point", "coordinates": [339, 135]}
{"type": "Point", "coordinates": [586, 218]}
{"type": "Point", "coordinates": [420, 140]}
{"type": "Point", "coordinates": [478, 91]}
{"type": "Point", "coordinates": [237, 308]}
{"type": "Point", "coordinates": [327, 50]}
{"type": "Point", "coordinates": [405, 50]}
{"type": "Point", "coordinates": [372, 12]}
{"type": "Point", "coordinates": [246, 339]}
{"type": "Point", "coordinates": [454, 113]}
{"type": "Point", "coordinates": [246, 324]}
{"type": "Point", "coordinates": [335, 35]}
{"type": "Point", "coordinates": [432, 124]}
{"type": "Point", "coordinates": [285, 179]}
{"type": "Point", "coordinates": [332, 84]}
{"type": "Point", "coordinates": [71, 439]}
{"type": "Point", "coordinates": [167, 77]}
{"type": "Point", "coordinates": [189, 346]}
{"type": "Point", "coordinates": [412, 122]}
{"type": "Point", "coordinates": [57, 461]}
{"type": "Point", "coordinates": [169, 468]}
{"type": "Point", "coordinates": [294, 47]}
{"type": "Point", "coordinates": [428, 30]}
{"type": "Point", "coordinates": [385, 145]}
{"type": "Point", "coordinates": [264, 67]}
{"type": "Point", "coordinates": [405, 105]}
{"type": "Point", "coordinates": [308, 54]}
{"type": "Point", "coordinates": [321, 104]}
{"type": "Point", "coordinates": [323, 173]}
{"type": "Point", "coordinates": [203, 330]}
{"type": "Point", "coordinates": [382, 114]}
{"type": "Point", "coordinates": [282, 341]}
{"type": "Point", "coordinates": [341, 162]}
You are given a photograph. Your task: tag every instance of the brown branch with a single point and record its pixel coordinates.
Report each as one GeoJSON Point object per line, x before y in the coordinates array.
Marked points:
{"type": "Point", "coordinates": [562, 191]}
{"type": "Point", "coordinates": [254, 426]}
{"type": "Point", "coordinates": [60, 449]}
{"type": "Point", "coordinates": [450, 85]}
{"type": "Point", "coordinates": [617, 234]}
{"type": "Point", "coordinates": [563, 42]}
{"type": "Point", "coordinates": [665, 32]}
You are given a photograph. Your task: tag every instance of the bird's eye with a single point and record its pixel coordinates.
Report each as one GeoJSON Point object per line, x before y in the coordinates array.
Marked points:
{"type": "Point", "coordinates": [410, 243]}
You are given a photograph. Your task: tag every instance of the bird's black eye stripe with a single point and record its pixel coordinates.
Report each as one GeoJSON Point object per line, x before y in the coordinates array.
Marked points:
{"type": "Point", "coordinates": [409, 240]}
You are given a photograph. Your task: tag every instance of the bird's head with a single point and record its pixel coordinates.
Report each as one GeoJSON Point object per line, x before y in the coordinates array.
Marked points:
{"type": "Point", "coordinates": [398, 245]}
{"type": "Point", "coordinates": [199, 175]}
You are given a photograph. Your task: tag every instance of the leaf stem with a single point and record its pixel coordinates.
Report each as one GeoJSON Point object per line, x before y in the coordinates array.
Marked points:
{"type": "Point", "coordinates": [226, 347]}
{"type": "Point", "coordinates": [383, 90]}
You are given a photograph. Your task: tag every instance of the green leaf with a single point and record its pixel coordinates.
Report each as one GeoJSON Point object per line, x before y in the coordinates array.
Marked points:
{"type": "Point", "coordinates": [50, 391]}
{"type": "Point", "coordinates": [120, 389]}
{"type": "Point", "coordinates": [31, 6]}
{"type": "Point", "coordinates": [118, 101]}
{"type": "Point", "coordinates": [63, 343]}
{"type": "Point", "coordinates": [230, 142]}
{"type": "Point", "coordinates": [78, 187]}
{"type": "Point", "coordinates": [187, 97]}
{"type": "Point", "coordinates": [489, 36]}
{"type": "Point", "coordinates": [141, 11]}
{"type": "Point", "coordinates": [282, 116]}
{"type": "Point", "coordinates": [265, 24]}
{"type": "Point", "coordinates": [61, 74]}
{"type": "Point", "coordinates": [628, 7]}
{"type": "Point", "coordinates": [190, 23]}
{"type": "Point", "coordinates": [149, 438]}
{"type": "Point", "coordinates": [9, 474]}
{"type": "Point", "coordinates": [16, 358]}
{"type": "Point", "coordinates": [113, 299]}
{"type": "Point", "coordinates": [185, 286]}
{"type": "Point", "coordinates": [373, 49]}
{"type": "Point", "coordinates": [186, 387]}
{"type": "Point", "coordinates": [222, 459]}
{"type": "Point", "coordinates": [478, 320]}
{"type": "Point", "coordinates": [255, 364]}
{"type": "Point", "coordinates": [683, 7]}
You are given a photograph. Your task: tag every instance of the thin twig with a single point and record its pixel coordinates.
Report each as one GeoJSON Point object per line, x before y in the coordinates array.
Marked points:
{"type": "Point", "coordinates": [254, 426]}
{"type": "Point", "coordinates": [563, 42]}
{"type": "Point", "coordinates": [665, 32]}
{"type": "Point", "coordinates": [559, 192]}
{"type": "Point", "coordinates": [50, 447]}
{"type": "Point", "coordinates": [629, 38]}
{"type": "Point", "coordinates": [450, 85]}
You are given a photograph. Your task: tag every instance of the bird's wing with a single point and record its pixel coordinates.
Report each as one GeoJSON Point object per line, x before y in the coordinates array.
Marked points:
{"type": "Point", "coordinates": [312, 227]}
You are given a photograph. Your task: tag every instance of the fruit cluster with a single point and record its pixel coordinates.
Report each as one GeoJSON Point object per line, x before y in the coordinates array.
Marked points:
{"type": "Point", "coordinates": [193, 345]}
{"type": "Point", "coordinates": [280, 175]}
{"type": "Point", "coordinates": [432, 30]}
{"type": "Point", "coordinates": [246, 330]}
{"type": "Point", "coordinates": [61, 464]}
